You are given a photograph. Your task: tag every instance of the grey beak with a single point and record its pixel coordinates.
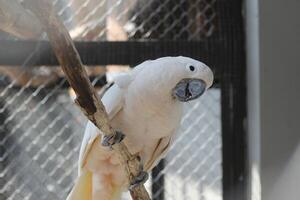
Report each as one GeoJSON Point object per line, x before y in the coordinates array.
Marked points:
{"type": "Point", "coordinates": [189, 89]}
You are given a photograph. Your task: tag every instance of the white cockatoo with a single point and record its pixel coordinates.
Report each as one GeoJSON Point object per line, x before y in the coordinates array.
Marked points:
{"type": "Point", "coordinates": [145, 107]}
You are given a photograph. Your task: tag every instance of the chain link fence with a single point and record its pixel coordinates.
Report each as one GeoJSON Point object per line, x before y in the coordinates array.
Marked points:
{"type": "Point", "coordinates": [41, 129]}
{"type": "Point", "coordinates": [137, 19]}
{"type": "Point", "coordinates": [193, 165]}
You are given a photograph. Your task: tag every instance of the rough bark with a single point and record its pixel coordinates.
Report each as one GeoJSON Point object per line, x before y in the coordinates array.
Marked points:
{"type": "Point", "coordinates": [18, 21]}
{"type": "Point", "coordinates": [87, 99]}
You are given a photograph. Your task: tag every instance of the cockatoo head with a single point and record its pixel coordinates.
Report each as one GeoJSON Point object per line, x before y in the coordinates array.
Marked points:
{"type": "Point", "coordinates": [196, 78]}
{"type": "Point", "coordinates": [186, 78]}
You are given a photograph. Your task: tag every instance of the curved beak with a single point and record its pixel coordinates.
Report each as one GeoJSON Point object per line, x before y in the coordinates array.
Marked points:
{"type": "Point", "coordinates": [189, 89]}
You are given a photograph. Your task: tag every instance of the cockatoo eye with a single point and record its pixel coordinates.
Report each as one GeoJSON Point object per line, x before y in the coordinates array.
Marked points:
{"type": "Point", "coordinates": [192, 68]}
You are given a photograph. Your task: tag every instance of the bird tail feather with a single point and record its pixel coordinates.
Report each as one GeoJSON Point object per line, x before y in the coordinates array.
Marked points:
{"type": "Point", "coordinates": [83, 187]}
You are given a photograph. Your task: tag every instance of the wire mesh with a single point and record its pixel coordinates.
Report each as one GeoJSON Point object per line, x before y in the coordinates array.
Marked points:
{"type": "Point", "coordinates": [123, 20]}
{"type": "Point", "coordinates": [137, 19]}
{"type": "Point", "coordinates": [41, 129]}
{"type": "Point", "coordinates": [143, 19]}
{"type": "Point", "coordinates": [193, 165]}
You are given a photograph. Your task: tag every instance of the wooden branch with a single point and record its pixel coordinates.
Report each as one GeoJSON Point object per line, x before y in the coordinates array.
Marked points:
{"type": "Point", "coordinates": [18, 21]}
{"type": "Point", "coordinates": [87, 98]}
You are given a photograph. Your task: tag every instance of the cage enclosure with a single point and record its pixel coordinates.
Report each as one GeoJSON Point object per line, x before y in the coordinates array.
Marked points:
{"type": "Point", "coordinates": [41, 129]}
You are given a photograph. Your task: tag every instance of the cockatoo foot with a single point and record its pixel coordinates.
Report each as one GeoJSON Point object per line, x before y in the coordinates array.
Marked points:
{"type": "Point", "coordinates": [138, 180]}
{"type": "Point", "coordinates": [110, 140]}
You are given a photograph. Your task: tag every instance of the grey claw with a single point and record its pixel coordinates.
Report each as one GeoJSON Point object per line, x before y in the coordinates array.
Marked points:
{"type": "Point", "coordinates": [138, 180]}
{"type": "Point", "coordinates": [110, 140]}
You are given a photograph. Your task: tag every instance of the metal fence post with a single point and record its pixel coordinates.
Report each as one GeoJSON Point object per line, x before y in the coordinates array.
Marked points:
{"type": "Point", "coordinates": [233, 99]}
{"type": "Point", "coordinates": [158, 182]}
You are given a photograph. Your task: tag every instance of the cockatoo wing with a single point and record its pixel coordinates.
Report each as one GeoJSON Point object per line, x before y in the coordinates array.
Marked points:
{"type": "Point", "coordinates": [113, 101]}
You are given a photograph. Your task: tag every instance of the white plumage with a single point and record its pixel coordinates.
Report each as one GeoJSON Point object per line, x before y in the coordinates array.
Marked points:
{"type": "Point", "coordinates": [140, 104]}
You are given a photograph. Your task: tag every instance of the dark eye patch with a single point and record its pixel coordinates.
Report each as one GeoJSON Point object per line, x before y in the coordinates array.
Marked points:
{"type": "Point", "coordinates": [192, 68]}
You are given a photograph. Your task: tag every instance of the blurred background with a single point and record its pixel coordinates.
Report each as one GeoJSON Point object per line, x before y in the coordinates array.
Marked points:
{"type": "Point", "coordinates": [237, 142]}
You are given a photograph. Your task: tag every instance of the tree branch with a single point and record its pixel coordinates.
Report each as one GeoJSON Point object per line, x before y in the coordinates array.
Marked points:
{"type": "Point", "coordinates": [18, 21]}
{"type": "Point", "coordinates": [87, 98]}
